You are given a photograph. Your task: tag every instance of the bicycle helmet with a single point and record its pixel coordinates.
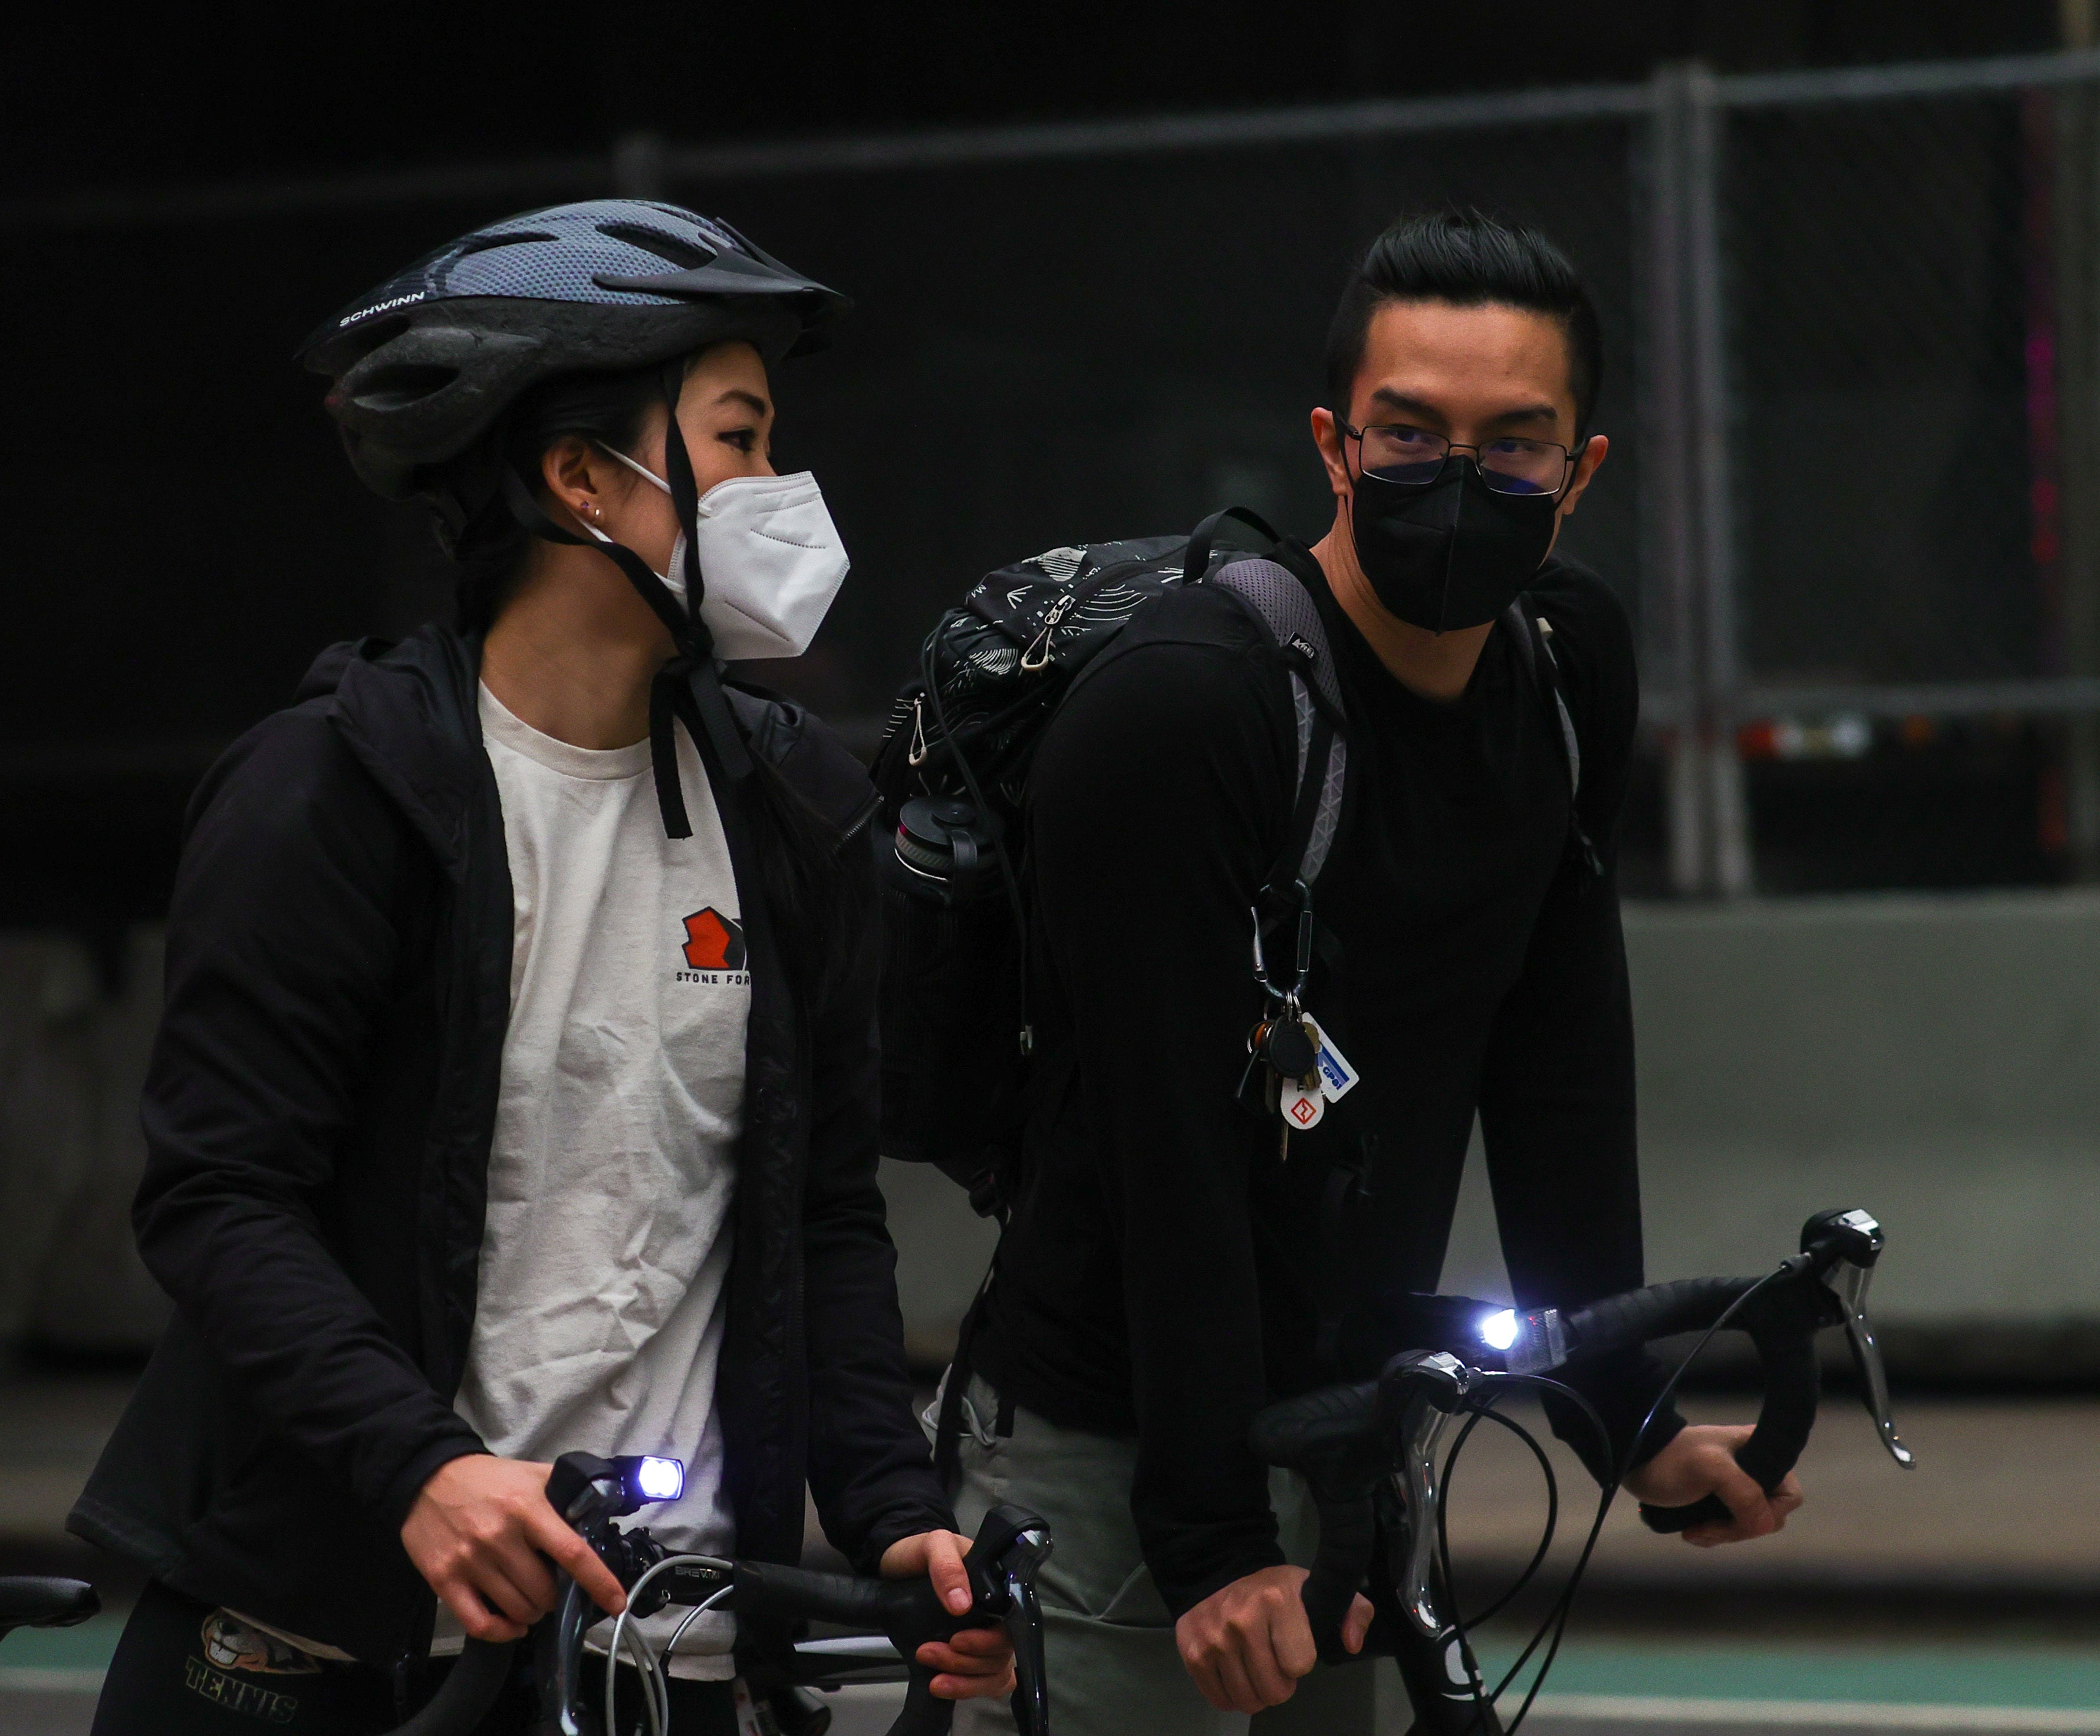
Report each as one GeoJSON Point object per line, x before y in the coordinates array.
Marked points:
{"type": "Point", "coordinates": [424, 366]}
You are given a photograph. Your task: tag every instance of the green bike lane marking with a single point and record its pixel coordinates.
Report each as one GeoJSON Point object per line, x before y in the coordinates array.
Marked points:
{"type": "Point", "coordinates": [87, 1647]}
{"type": "Point", "coordinates": [2067, 1677]}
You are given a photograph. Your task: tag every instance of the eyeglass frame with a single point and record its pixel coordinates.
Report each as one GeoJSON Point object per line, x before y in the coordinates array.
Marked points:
{"type": "Point", "coordinates": [1570, 456]}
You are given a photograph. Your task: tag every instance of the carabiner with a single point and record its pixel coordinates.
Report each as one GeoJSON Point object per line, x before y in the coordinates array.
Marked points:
{"type": "Point", "coordinates": [1302, 958]}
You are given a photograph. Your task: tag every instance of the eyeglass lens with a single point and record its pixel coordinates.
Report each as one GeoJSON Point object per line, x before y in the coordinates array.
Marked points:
{"type": "Point", "coordinates": [1414, 456]}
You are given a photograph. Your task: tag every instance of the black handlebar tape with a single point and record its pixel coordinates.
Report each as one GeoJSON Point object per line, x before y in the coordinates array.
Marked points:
{"type": "Point", "coordinates": [1661, 1310]}
{"type": "Point", "coordinates": [767, 1589]}
{"type": "Point", "coordinates": [1793, 1384]}
{"type": "Point", "coordinates": [909, 1612]}
{"type": "Point", "coordinates": [1317, 1429]}
{"type": "Point", "coordinates": [1347, 1537]}
{"type": "Point", "coordinates": [467, 1692]}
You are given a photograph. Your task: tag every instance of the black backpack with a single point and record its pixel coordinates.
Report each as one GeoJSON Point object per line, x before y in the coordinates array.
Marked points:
{"type": "Point", "coordinates": [957, 1039]}
{"type": "Point", "coordinates": [952, 771]}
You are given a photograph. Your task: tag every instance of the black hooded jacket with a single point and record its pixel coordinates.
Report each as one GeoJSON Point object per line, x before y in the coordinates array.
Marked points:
{"type": "Point", "coordinates": [318, 1117]}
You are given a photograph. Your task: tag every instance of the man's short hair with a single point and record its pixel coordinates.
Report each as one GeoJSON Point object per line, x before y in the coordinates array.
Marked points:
{"type": "Point", "coordinates": [1472, 259]}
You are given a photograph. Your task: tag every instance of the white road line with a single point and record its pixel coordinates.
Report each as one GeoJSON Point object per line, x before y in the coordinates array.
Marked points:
{"type": "Point", "coordinates": [1827, 1714]}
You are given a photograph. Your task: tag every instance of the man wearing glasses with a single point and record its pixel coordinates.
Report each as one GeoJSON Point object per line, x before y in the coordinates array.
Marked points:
{"type": "Point", "coordinates": [1180, 1258]}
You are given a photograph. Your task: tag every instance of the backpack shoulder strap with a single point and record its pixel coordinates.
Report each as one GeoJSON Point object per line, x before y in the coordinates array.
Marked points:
{"type": "Point", "coordinates": [1278, 597]}
{"type": "Point", "coordinates": [1531, 635]}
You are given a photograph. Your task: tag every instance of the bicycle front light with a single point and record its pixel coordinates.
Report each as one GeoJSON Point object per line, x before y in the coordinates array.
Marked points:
{"type": "Point", "coordinates": [649, 1479]}
{"type": "Point", "coordinates": [1530, 1343]}
{"type": "Point", "coordinates": [1498, 1330]}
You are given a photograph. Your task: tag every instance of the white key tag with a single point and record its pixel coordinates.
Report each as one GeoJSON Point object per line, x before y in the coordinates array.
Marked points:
{"type": "Point", "coordinates": [1337, 1078]}
{"type": "Point", "coordinates": [1301, 1108]}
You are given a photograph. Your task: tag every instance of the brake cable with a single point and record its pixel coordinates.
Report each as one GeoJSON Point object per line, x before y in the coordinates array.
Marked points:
{"type": "Point", "coordinates": [1556, 1617]}
{"type": "Point", "coordinates": [656, 1687]}
{"type": "Point", "coordinates": [1487, 1413]}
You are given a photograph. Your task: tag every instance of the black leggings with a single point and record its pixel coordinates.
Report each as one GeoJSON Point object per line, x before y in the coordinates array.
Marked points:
{"type": "Point", "coordinates": [164, 1681]}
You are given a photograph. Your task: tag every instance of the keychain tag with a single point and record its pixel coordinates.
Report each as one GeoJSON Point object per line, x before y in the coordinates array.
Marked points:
{"type": "Point", "coordinates": [1301, 1108]}
{"type": "Point", "coordinates": [1338, 1078]}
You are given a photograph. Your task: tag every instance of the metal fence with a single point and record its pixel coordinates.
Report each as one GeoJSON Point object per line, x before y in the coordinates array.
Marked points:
{"type": "Point", "coordinates": [1852, 321]}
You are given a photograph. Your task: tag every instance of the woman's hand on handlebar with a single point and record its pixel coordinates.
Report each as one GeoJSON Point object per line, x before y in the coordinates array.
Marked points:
{"type": "Point", "coordinates": [481, 1532]}
{"type": "Point", "coordinates": [978, 1662]}
{"type": "Point", "coordinates": [1701, 1462]}
{"type": "Point", "coordinates": [1245, 1646]}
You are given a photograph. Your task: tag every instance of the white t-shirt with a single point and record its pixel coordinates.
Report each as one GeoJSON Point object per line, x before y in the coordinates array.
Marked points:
{"type": "Point", "coordinates": [599, 1321]}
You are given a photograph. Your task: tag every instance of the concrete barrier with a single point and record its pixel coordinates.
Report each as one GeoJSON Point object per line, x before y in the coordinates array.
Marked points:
{"type": "Point", "coordinates": [1934, 1059]}
{"type": "Point", "coordinates": [73, 1042]}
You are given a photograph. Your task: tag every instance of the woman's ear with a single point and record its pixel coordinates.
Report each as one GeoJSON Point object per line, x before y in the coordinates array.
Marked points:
{"type": "Point", "coordinates": [573, 476]}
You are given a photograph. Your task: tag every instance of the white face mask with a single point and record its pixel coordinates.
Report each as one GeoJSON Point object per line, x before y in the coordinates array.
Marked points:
{"type": "Point", "coordinates": [770, 555]}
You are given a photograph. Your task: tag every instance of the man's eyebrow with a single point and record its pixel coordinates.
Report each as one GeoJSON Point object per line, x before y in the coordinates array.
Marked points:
{"type": "Point", "coordinates": [1527, 413]}
{"type": "Point", "coordinates": [1385, 397]}
{"type": "Point", "coordinates": [737, 394]}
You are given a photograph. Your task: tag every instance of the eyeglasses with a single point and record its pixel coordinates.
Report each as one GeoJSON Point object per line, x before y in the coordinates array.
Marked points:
{"type": "Point", "coordinates": [1413, 457]}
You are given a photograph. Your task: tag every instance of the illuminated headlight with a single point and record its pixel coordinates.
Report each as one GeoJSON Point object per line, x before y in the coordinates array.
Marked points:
{"type": "Point", "coordinates": [1530, 1343]}
{"type": "Point", "coordinates": [1498, 1330]}
{"type": "Point", "coordinates": [652, 1479]}
{"type": "Point", "coordinates": [659, 1479]}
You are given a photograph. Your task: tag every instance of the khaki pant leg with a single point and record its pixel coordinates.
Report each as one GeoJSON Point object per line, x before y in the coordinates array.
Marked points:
{"type": "Point", "coordinates": [1109, 1641]}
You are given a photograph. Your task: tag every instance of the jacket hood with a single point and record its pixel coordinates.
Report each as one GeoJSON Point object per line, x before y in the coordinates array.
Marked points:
{"type": "Point", "coordinates": [407, 710]}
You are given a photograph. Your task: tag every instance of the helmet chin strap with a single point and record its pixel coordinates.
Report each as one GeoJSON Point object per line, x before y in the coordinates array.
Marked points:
{"type": "Point", "coordinates": [688, 689]}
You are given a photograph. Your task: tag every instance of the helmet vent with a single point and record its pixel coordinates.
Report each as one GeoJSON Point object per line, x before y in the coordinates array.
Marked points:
{"type": "Point", "coordinates": [406, 383]}
{"type": "Point", "coordinates": [481, 243]}
{"type": "Point", "coordinates": [686, 255]}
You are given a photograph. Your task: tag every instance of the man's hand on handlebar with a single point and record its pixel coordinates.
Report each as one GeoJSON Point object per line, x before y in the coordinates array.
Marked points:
{"type": "Point", "coordinates": [1701, 1462]}
{"type": "Point", "coordinates": [1246, 1644]}
{"type": "Point", "coordinates": [481, 1532]}
{"type": "Point", "coordinates": [978, 1662]}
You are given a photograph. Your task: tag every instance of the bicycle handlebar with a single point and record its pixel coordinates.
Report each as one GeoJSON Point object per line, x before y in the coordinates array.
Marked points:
{"type": "Point", "coordinates": [1010, 1548]}
{"type": "Point", "coordinates": [590, 1492]}
{"type": "Point", "coordinates": [1377, 1440]}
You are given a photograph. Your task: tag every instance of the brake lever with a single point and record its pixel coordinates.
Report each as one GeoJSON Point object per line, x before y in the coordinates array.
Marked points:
{"type": "Point", "coordinates": [1024, 1627]}
{"type": "Point", "coordinates": [1427, 1388]}
{"type": "Point", "coordinates": [1846, 1245]}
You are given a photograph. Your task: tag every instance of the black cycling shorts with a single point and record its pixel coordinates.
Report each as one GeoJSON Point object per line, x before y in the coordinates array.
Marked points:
{"type": "Point", "coordinates": [184, 1669]}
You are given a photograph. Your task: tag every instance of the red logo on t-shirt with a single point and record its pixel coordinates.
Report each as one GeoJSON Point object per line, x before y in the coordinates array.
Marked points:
{"type": "Point", "coordinates": [713, 941]}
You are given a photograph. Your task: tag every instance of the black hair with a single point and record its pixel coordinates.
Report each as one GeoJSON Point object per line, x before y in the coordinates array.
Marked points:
{"type": "Point", "coordinates": [815, 903]}
{"type": "Point", "coordinates": [1472, 259]}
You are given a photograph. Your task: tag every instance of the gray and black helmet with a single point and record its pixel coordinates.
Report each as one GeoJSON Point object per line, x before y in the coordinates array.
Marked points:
{"type": "Point", "coordinates": [424, 366]}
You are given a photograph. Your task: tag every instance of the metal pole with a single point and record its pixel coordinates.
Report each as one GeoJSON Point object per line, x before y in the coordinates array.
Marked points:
{"type": "Point", "coordinates": [1669, 506]}
{"type": "Point", "coordinates": [1713, 429]}
{"type": "Point", "coordinates": [2076, 634]}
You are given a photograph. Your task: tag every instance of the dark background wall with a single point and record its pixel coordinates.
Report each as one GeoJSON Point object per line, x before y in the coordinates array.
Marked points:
{"type": "Point", "coordinates": [1041, 355]}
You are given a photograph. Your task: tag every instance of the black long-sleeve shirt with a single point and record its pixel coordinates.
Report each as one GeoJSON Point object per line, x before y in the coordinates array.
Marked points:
{"type": "Point", "coordinates": [1166, 1272]}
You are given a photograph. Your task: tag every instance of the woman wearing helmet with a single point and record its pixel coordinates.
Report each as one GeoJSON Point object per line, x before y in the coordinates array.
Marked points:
{"type": "Point", "coordinates": [515, 1089]}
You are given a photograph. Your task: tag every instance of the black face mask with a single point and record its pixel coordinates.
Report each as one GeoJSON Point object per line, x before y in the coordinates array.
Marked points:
{"type": "Point", "coordinates": [1449, 553]}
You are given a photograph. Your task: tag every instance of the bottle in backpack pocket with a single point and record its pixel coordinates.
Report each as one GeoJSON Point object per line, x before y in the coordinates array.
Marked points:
{"type": "Point", "coordinates": [947, 852]}
{"type": "Point", "coordinates": [953, 1068]}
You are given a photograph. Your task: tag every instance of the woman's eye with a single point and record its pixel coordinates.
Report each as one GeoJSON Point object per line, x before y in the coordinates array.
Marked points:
{"type": "Point", "coordinates": [743, 439]}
